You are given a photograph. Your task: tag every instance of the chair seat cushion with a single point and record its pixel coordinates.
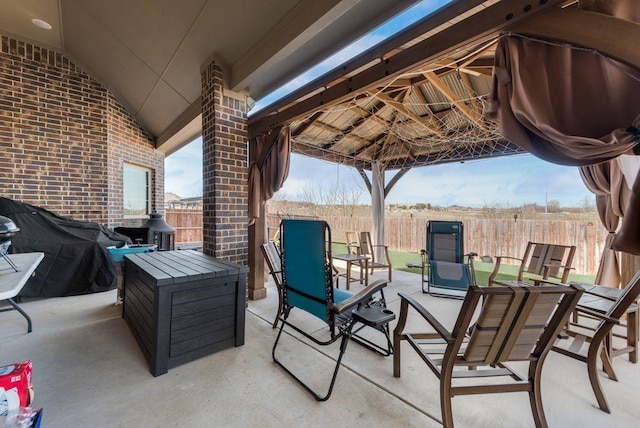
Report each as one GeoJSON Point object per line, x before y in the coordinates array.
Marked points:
{"type": "Point", "coordinates": [340, 296]}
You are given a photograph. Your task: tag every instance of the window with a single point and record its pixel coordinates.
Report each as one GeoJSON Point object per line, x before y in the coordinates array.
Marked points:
{"type": "Point", "coordinates": [136, 186]}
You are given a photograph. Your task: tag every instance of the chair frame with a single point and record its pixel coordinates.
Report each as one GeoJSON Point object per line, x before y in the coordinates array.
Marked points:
{"type": "Point", "coordinates": [540, 259]}
{"type": "Point", "coordinates": [426, 256]}
{"type": "Point", "coordinates": [369, 249]}
{"type": "Point", "coordinates": [340, 318]}
{"type": "Point", "coordinates": [505, 345]}
{"type": "Point", "coordinates": [352, 243]}
{"type": "Point", "coordinates": [600, 343]}
{"type": "Point", "coordinates": [274, 263]}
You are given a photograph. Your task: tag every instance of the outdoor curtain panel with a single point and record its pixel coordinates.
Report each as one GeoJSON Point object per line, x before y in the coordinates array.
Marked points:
{"type": "Point", "coordinates": [573, 107]}
{"type": "Point", "coordinates": [267, 175]}
{"type": "Point", "coordinates": [612, 198]}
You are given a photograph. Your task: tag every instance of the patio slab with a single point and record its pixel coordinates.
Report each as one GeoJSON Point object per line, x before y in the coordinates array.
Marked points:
{"type": "Point", "coordinates": [89, 369]}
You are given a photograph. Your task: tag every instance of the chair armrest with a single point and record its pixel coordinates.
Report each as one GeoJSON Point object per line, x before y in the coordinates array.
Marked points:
{"type": "Point", "coordinates": [597, 314]}
{"type": "Point", "coordinates": [539, 281]}
{"type": "Point", "coordinates": [496, 268]}
{"type": "Point", "coordinates": [424, 255]}
{"type": "Point", "coordinates": [386, 252]}
{"type": "Point", "coordinates": [550, 265]}
{"type": "Point", "coordinates": [360, 297]}
{"type": "Point", "coordinates": [439, 328]}
{"type": "Point", "coordinates": [609, 298]}
{"type": "Point", "coordinates": [356, 247]}
{"type": "Point", "coordinates": [507, 257]}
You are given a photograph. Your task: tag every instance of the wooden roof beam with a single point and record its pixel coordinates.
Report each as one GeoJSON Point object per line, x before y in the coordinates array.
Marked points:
{"type": "Point", "coordinates": [426, 24]}
{"type": "Point", "coordinates": [434, 118]}
{"type": "Point", "coordinates": [370, 115]}
{"type": "Point", "coordinates": [307, 123]}
{"type": "Point", "coordinates": [339, 133]}
{"type": "Point", "coordinates": [395, 179]}
{"type": "Point", "coordinates": [439, 84]}
{"type": "Point", "coordinates": [397, 105]}
{"type": "Point", "coordinates": [458, 156]}
{"type": "Point", "coordinates": [482, 26]}
{"type": "Point", "coordinates": [331, 156]}
{"type": "Point", "coordinates": [476, 104]}
{"type": "Point", "coordinates": [611, 36]}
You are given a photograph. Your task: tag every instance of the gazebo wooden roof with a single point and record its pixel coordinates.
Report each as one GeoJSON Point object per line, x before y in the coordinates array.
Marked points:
{"type": "Point", "coordinates": [421, 97]}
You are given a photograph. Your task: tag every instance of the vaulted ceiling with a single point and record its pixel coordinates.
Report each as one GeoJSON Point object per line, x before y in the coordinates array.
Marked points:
{"type": "Point", "coordinates": [150, 52]}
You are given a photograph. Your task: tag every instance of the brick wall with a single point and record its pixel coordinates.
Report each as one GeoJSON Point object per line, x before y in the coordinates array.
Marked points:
{"type": "Point", "coordinates": [129, 143]}
{"type": "Point", "coordinates": [64, 137]}
{"type": "Point", "coordinates": [225, 170]}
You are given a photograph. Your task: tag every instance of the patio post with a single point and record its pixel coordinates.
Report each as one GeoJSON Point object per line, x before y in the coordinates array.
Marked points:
{"type": "Point", "coordinates": [224, 169]}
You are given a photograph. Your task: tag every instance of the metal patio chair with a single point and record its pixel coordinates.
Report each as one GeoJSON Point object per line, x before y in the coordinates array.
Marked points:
{"type": "Point", "coordinates": [450, 270]}
{"type": "Point", "coordinates": [307, 285]}
{"type": "Point", "coordinates": [516, 323]}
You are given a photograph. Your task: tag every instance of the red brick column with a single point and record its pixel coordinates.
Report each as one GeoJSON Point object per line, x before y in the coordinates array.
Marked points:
{"type": "Point", "coordinates": [225, 170]}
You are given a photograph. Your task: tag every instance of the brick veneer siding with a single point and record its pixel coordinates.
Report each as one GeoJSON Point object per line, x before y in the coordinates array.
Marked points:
{"type": "Point", "coordinates": [225, 171]}
{"type": "Point", "coordinates": [129, 143]}
{"type": "Point", "coordinates": [64, 137]}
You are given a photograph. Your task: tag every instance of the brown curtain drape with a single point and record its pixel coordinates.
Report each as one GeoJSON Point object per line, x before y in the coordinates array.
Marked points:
{"type": "Point", "coordinates": [612, 197]}
{"type": "Point", "coordinates": [268, 174]}
{"type": "Point", "coordinates": [571, 107]}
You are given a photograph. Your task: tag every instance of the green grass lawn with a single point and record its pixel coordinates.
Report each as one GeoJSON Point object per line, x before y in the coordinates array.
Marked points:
{"type": "Point", "coordinates": [400, 259]}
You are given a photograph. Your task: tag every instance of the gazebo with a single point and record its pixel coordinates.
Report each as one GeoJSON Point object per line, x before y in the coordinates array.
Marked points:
{"type": "Point", "coordinates": [92, 89]}
{"type": "Point", "coordinates": [456, 87]}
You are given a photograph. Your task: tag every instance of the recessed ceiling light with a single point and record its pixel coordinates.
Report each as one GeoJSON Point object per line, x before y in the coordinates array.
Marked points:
{"type": "Point", "coordinates": [41, 24]}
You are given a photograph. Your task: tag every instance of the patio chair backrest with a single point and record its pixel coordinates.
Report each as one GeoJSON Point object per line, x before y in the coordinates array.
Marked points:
{"type": "Point", "coordinates": [306, 266]}
{"type": "Point", "coordinates": [272, 257]}
{"type": "Point", "coordinates": [627, 298]}
{"type": "Point", "coordinates": [557, 258]}
{"type": "Point", "coordinates": [445, 241]}
{"type": "Point", "coordinates": [518, 323]}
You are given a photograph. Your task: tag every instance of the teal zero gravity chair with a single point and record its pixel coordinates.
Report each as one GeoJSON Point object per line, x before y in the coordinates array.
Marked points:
{"type": "Point", "coordinates": [307, 285]}
{"type": "Point", "coordinates": [449, 274]}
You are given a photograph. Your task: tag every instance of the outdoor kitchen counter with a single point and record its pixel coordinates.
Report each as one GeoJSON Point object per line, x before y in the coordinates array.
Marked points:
{"type": "Point", "coordinates": [182, 305]}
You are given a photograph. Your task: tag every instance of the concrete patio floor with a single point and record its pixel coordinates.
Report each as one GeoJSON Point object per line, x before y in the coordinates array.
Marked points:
{"type": "Point", "coordinates": [89, 370]}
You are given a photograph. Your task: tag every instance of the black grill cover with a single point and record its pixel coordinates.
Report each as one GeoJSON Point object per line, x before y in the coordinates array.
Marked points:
{"type": "Point", "coordinates": [76, 260]}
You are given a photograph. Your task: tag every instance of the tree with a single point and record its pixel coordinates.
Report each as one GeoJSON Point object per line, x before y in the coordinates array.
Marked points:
{"type": "Point", "coordinates": [588, 204]}
{"type": "Point", "coordinates": [553, 206]}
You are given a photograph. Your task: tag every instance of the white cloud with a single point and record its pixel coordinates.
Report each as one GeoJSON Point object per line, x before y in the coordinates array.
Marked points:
{"type": "Point", "coordinates": [183, 170]}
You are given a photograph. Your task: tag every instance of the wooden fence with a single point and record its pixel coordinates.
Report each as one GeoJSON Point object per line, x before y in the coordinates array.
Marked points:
{"type": "Point", "coordinates": [483, 236]}
{"type": "Point", "coordinates": [188, 224]}
{"type": "Point", "coordinates": [489, 237]}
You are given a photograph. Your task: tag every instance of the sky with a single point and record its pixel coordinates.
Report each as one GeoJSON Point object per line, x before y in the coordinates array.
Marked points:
{"type": "Point", "coordinates": [499, 182]}
{"type": "Point", "coordinates": [505, 181]}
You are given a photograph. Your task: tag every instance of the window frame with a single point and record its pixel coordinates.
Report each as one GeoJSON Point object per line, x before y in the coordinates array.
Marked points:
{"type": "Point", "coordinates": [149, 176]}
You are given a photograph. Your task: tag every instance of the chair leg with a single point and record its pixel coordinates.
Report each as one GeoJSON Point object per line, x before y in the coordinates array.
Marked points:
{"type": "Point", "coordinates": [535, 395]}
{"type": "Point", "coordinates": [343, 347]}
{"type": "Point", "coordinates": [275, 321]}
{"type": "Point", "coordinates": [445, 403]}
{"type": "Point", "coordinates": [397, 337]}
{"type": "Point", "coordinates": [605, 357]}
{"type": "Point", "coordinates": [632, 335]}
{"type": "Point", "coordinates": [592, 368]}
{"type": "Point", "coordinates": [22, 312]}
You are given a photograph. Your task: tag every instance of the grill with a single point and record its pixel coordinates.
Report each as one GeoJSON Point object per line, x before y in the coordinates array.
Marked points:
{"type": "Point", "coordinates": [8, 229]}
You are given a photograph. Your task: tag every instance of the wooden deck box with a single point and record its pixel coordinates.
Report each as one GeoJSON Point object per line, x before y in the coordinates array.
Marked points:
{"type": "Point", "coordinates": [183, 305]}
